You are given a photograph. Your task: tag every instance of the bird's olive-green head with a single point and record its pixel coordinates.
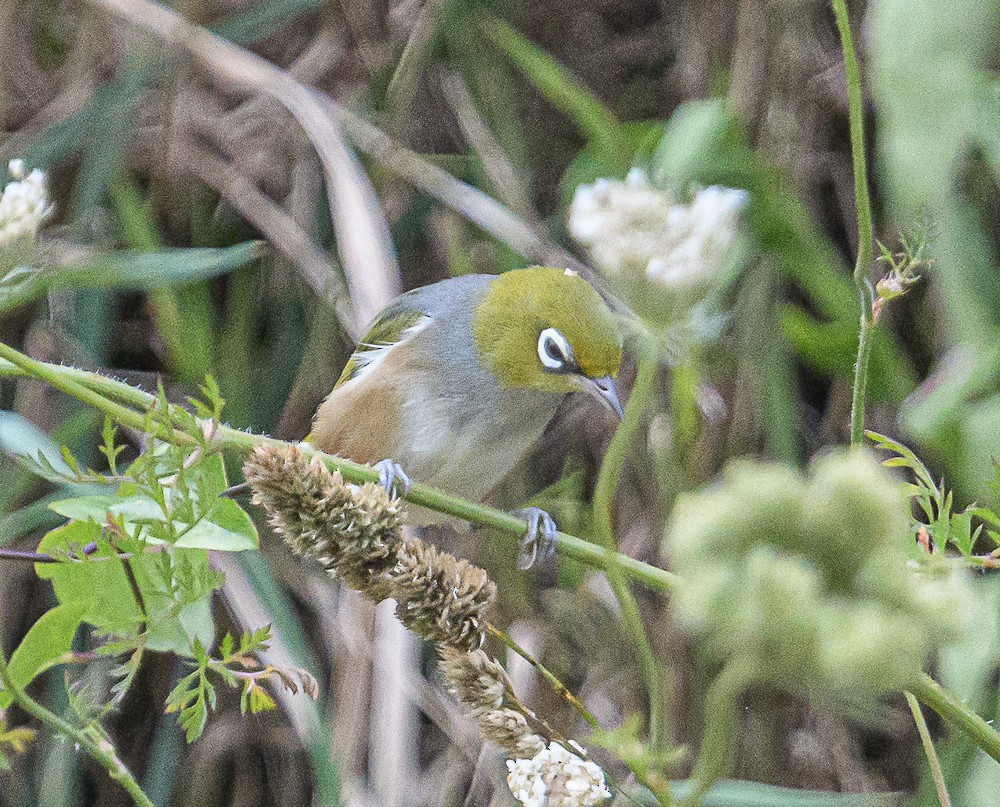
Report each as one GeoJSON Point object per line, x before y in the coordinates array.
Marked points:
{"type": "Point", "coordinates": [548, 329]}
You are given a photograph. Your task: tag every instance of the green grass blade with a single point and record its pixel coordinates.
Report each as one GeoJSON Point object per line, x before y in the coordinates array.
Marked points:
{"type": "Point", "coordinates": [563, 90]}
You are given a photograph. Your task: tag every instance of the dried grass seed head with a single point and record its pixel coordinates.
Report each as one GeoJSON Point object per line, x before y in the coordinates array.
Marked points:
{"type": "Point", "coordinates": [440, 597]}
{"type": "Point", "coordinates": [352, 531]}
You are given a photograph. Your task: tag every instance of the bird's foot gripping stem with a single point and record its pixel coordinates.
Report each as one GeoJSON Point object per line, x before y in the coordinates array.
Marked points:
{"type": "Point", "coordinates": [539, 542]}
{"type": "Point", "coordinates": [393, 478]}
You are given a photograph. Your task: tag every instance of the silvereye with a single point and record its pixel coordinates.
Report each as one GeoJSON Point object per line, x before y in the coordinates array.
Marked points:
{"type": "Point", "coordinates": [455, 382]}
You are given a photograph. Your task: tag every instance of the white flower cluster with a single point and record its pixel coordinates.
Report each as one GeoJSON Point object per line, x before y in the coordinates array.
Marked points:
{"type": "Point", "coordinates": [555, 777]}
{"type": "Point", "coordinates": [631, 226]}
{"type": "Point", "coordinates": [24, 204]}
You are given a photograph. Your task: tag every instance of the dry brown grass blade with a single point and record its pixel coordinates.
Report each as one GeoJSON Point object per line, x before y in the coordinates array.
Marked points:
{"type": "Point", "coordinates": [362, 233]}
{"type": "Point", "coordinates": [317, 113]}
{"type": "Point", "coordinates": [476, 206]}
{"type": "Point", "coordinates": [277, 225]}
{"type": "Point", "coordinates": [393, 750]}
{"type": "Point", "coordinates": [250, 613]}
{"type": "Point", "coordinates": [501, 172]}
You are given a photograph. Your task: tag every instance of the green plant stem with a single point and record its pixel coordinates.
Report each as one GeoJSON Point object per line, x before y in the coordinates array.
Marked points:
{"type": "Point", "coordinates": [604, 494]}
{"type": "Point", "coordinates": [929, 752]}
{"type": "Point", "coordinates": [54, 376]}
{"type": "Point", "coordinates": [104, 394]}
{"type": "Point", "coordinates": [718, 743]}
{"type": "Point", "coordinates": [865, 227]}
{"type": "Point", "coordinates": [97, 746]}
{"type": "Point", "coordinates": [558, 686]}
{"type": "Point", "coordinates": [958, 714]}
{"type": "Point", "coordinates": [861, 371]}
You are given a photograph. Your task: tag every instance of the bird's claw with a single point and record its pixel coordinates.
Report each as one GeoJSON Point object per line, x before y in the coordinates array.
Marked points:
{"type": "Point", "coordinates": [393, 478]}
{"type": "Point", "coordinates": [539, 542]}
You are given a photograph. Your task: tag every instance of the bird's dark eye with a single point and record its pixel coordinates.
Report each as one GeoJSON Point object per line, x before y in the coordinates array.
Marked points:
{"type": "Point", "coordinates": [554, 351]}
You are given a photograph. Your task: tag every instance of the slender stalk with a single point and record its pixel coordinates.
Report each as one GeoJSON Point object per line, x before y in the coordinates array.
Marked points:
{"type": "Point", "coordinates": [97, 746]}
{"type": "Point", "coordinates": [53, 376]}
{"type": "Point", "coordinates": [41, 557]}
{"type": "Point", "coordinates": [929, 752]}
{"type": "Point", "coordinates": [861, 370]}
{"type": "Point", "coordinates": [604, 494]}
{"type": "Point", "coordinates": [958, 714]}
{"type": "Point", "coordinates": [865, 227]}
{"type": "Point", "coordinates": [558, 686]}
{"type": "Point", "coordinates": [30, 557]}
{"type": "Point", "coordinates": [103, 394]}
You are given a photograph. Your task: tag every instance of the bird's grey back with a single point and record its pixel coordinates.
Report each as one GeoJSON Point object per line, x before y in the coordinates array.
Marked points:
{"type": "Point", "coordinates": [451, 304]}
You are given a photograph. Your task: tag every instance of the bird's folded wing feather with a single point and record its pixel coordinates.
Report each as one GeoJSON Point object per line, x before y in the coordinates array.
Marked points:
{"type": "Point", "coordinates": [390, 327]}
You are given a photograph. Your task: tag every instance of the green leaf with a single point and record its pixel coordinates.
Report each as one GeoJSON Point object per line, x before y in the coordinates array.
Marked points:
{"type": "Point", "coordinates": [263, 18]}
{"type": "Point", "coordinates": [825, 347]}
{"type": "Point", "coordinates": [256, 640]}
{"type": "Point", "coordinates": [906, 458]}
{"type": "Point", "coordinates": [13, 741]}
{"type": "Point", "coordinates": [129, 269]}
{"type": "Point", "coordinates": [962, 536]}
{"type": "Point", "coordinates": [137, 508]}
{"type": "Point", "coordinates": [226, 528]}
{"type": "Point", "coordinates": [255, 699]}
{"type": "Point", "coordinates": [695, 131]}
{"type": "Point", "coordinates": [739, 793]}
{"type": "Point", "coordinates": [193, 718]}
{"type": "Point", "coordinates": [176, 587]}
{"type": "Point", "coordinates": [96, 580]}
{"type": "Point", "coordinates": [638, 141]}
{"type": "Point", "coordinates": [22, 438]}
{"type": "Point", "coordinates": [181, 617]}
{"type": "Point", "coordinates": [45, 642]}
{"type": "Point", "coordinates": [211, 481]}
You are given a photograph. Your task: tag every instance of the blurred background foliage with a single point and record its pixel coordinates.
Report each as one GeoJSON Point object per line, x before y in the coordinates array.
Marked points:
{"type": "Point", "coordinates": [193, 234]}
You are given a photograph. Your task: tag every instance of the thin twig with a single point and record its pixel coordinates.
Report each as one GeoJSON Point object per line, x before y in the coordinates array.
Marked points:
{"type": "Point", "coordinates": [30, 557]}
{"type": "Point", "coordinates": [41, 557]}
{"type": "Point", "coordinates": [140, 601]}
{"type": "Point", "coordinates": [102, 392]}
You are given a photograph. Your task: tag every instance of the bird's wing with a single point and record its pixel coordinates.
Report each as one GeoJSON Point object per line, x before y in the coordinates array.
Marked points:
{"type": "Point", "coordinates": [393, 325]}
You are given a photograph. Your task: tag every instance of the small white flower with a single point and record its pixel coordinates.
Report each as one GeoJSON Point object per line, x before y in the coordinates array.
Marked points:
{"type": "Point", "coordinates": [24, 204]}
{"type": "Point", "coordinates": [631, 226]}
{"type": "Point", "coordinates": [555, 777]}
{"type": "Point", "coordinates": [16, 168]}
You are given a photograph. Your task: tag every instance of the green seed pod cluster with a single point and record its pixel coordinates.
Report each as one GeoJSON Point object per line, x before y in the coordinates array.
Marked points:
{"type": "Point", "coordinates": [811, 579]}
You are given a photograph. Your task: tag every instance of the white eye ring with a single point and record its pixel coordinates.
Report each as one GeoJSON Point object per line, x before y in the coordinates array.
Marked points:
{"type": "Point", "coordinates": [553, 349]}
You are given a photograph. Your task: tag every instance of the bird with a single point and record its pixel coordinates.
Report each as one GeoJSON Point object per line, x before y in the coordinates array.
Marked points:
{"type": "Point", "coordinates": [454, 383]}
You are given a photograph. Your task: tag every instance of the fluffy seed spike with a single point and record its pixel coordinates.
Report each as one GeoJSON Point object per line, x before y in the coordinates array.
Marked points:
{"type": "Point", "coordinates": [440, 597]}
{"type": "Point", "coordinates": [352, 532]}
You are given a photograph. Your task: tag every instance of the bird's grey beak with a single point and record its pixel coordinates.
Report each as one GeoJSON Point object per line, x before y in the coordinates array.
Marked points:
{"type": "Point", "coordinates": [606, 392]}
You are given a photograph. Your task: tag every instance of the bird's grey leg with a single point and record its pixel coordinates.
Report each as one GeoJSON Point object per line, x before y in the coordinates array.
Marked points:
{"type": "Point", "coordinates": [539, 542]}
{"type": "Point", "coordinates": [392, 477]}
